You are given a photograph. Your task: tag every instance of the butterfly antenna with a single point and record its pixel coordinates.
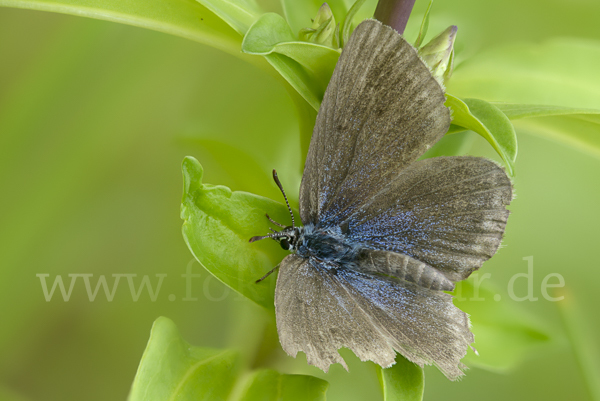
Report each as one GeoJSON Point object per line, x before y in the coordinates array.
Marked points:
{"type": "Point", "coordinates": [276, 179]}
{"type": "Point", "coordinates": [274, 222]}
{"type": "Point", "coordinates": [272, 235]}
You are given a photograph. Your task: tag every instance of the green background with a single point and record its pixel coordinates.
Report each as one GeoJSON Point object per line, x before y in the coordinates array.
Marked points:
{"type": "Point", "coordinates": [95, 119]}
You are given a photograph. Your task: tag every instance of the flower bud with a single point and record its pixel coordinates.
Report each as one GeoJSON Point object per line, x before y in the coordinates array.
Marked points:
{"type": "Point", "coordinates": [323, 30]}
{"type": "Point", "coordinates": [439, 54]}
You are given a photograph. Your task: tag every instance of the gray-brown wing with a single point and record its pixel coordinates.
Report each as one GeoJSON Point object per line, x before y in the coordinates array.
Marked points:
{"type": "Point", "coordinates": [320, 309]}
{"type": "Point", "coordinates": [447, 212]}
{"type": "Point", "coordinates": [381, 111]}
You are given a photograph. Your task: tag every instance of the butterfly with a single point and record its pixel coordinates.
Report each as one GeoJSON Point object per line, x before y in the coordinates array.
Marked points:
{"type": "Point", "coordinates": [384, 235]}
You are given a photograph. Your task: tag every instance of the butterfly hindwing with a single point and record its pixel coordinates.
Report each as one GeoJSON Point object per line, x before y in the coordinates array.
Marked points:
{"type": "Point", "coordinates": [316, 315]}
{"type": "Point", "coordinates": [320, 309]}
{"type": "Point", "coordinates": [381, 111]}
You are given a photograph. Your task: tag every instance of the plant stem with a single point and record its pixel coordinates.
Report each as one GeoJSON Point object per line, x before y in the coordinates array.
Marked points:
{"type": "Point", "coordinates": [307, 116]}
{"type": "Point", "coordinates": [394, 13]}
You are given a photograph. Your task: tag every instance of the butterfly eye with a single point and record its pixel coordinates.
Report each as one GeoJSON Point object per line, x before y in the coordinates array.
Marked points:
{"type": "Point", "coordinates": [285, 244]}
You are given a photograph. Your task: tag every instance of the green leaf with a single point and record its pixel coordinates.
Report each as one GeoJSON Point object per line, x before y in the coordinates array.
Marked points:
{"type": "Point", "coordinates": [346, 27]}
{"type": "Point", "coordinates": [183, 18]}
{"type": "Point", "coordinates": [299, 79]}
{"type": "Point", "coordinates": [575, 127]}
{"type": "Point", "coordinates": [455, 128]}
{"type": "Point", "coordinates": [517, 111]}
{"type": "Point", "coordinates": [270, 30]}
{"type": "Point", "coordinates": [318, 60]}
{"type": "Point", "coordinates": [489, 122]}
{"type": "Point", "coordinates": [404, 381]}
{"type": "Point", "coordinates": [424, 26]}
{"type": "Point", "coordinates": [269, 385]}
{"type": "Point", "coordinates": [579, 131]}
{"type": "Point", "coordinates": [533, 77]}
{"type": "Point", "coordinates": [504, 333]}
{"type": "Point", "coordinates": [172, 369]}
{"type": "Point", "coordinates": [238, 14]}
{"type": "Point", "coordinates": [306, 66]}
{"type": "Point", "coordinates": [557, 72]}
{"type": "Point", "coordinates": [217, 226]}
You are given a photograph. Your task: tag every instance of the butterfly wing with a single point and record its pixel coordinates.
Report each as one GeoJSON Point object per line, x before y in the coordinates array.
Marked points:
{"type": "Point", "coordinates": [447, 212]}
{"type": "Point", "coordinates": [320, 309]}
{"type": "Point", "coordinates": [381, 111]}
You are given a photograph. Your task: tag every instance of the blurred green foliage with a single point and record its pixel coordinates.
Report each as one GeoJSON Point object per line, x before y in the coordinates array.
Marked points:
{"type": "Point", "coordinates": [96, 117]}
{"type": "Point", "coordinates": [185, 372]}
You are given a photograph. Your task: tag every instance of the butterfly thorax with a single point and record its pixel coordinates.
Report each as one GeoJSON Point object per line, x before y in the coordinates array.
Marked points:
{"type": "Point", "coordinates": [325, 244]}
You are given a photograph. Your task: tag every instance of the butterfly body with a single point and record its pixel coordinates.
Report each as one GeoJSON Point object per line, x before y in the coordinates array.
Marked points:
{"type": "Point", "coordinates": [328, 245]}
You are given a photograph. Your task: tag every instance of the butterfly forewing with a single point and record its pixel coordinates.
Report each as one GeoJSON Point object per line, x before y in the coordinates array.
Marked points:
{"type": "Point", "coordinates": [381, 111]}
{"type": "Point", "coordinates": [448, 212]}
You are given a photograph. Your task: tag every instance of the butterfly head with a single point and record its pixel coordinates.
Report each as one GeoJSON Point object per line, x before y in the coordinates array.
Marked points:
{"type": "Point", "coordinates": [287, 238]}
{"type": "Point", "coordinates": [290, 239]}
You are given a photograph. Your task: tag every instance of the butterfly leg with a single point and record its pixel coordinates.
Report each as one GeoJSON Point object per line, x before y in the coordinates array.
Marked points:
{"type": "Point", "coordinates": [266, 275]}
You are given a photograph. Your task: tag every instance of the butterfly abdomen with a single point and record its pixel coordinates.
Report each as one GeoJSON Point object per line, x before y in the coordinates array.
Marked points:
{"type": "Point", "coordinates": [402, 267]}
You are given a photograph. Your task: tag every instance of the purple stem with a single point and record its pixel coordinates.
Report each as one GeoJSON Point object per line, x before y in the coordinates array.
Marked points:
{"type": "Point", "coordinates": [394, 13]}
